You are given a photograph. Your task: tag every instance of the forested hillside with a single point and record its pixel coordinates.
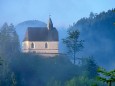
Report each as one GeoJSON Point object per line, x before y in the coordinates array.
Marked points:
{"type": "Point", "coordinates": [98, 32]}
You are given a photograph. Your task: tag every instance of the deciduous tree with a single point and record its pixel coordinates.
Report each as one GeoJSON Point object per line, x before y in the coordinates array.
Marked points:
{"type": "Point", "coordinates": [73, 44]}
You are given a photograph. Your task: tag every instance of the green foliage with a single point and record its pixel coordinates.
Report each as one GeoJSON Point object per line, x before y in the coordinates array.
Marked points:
{"type": "Point", "coordinates": [9, 46]}
{"type": "Point", "coordinates": [31, 70]}
{"type": "Point", "coordinates": [88, 74]}
{"type": "Point", "coordinates": [98, 32]}
{"type": "Point", "coordinates": [82, 81]}
{"type": "Point", "coordinates": [40, 69]}
{"type": "Point", "coordinates": [9, 42]}
{"type": "Point", "coordinates": [5, 74]}
{"type": "Point", "coordinates": [13, 79]}
{"type": "Point", "coordinates": [92, 15]}
{"type": "Point", "coordinates": [114, 11]}
{"type": "Point", "coordinates": [73, 44]}
{"type": "Point", "coordinates": [89, 67]}
{"type": "Point", "coordinates": [53, 82]}
{"type": "Point", "coordinates": [1, 61]}
{"type": "Point", "coordinates": [106, 76]}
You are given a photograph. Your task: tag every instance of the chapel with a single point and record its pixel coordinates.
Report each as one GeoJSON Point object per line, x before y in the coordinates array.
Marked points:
{"type": "Point", "coordinates": [41, 40]}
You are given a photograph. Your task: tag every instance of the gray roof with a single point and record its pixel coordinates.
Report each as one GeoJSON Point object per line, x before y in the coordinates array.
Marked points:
{"type": "Point", "coordinates": [41, 34]}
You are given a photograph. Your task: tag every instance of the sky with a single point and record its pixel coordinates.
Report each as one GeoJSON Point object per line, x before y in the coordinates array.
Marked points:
{"type": "Point", "coordinates": [63, 12]}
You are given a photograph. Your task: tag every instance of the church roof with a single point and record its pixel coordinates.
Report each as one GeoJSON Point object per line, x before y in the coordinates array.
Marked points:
{"type": "Point", "coordinates": [41, 34]}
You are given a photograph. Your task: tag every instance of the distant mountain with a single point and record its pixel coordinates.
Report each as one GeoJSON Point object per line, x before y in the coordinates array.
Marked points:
{"type": "Point", "coordinates": [21, 27]}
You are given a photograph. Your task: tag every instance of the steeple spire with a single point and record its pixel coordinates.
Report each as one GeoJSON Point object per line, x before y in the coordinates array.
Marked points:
{"type": "Point", "coordinates": [50, 24]}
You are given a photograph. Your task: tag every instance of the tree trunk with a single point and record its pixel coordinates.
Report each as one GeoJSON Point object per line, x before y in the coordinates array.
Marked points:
{"type": "Point", "coordinates": [74, 58]}
{"type": "Point", "coordinates": [109, 83]}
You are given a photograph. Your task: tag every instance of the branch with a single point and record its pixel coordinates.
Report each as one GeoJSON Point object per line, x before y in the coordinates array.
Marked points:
{"type": "Point", "coordinates": [101, 79]}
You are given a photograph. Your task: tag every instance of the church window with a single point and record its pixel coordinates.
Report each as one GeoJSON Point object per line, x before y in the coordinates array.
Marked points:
{"type": "Point", "coordinates": [46, 45]}
{"type": "Point", "coordinates": [32, 45]}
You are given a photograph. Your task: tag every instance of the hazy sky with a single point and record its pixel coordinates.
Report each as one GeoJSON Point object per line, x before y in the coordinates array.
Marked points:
{"type": "Point", "coordinates": [64, 12]}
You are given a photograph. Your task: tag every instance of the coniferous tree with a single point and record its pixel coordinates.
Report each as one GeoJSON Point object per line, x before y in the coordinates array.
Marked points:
{"type": "Point", "coordinates": [89, 67]}
{"type": "Point", "coordinates": [9, 42]}
{"type": "Point", "coordinates": [9, 47]}
{"type": "Point", "coordinates": [15, 39]}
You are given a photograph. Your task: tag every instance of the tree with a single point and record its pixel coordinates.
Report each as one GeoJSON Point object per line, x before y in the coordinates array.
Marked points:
{"type": "Point", "coordinates": [53, 82]}
{"type": "Point", "coordinates": [114, 11]}
{"type": "Point", "coordinates": [1, 61]}
{"type": "Point", "coordinates": [82, 81]}
{"type": "Point", "coordinates": [15, 39]}
{"type": "Point", "coordinates": [72, 43]}
{"type": "Point", "coordinates": [89, 67]}
{"type": "Point", "coordinates": [92, 15]}
{"type": "Point", "coordinates": [13, 79]}
{"type": "Point", "coordinates": [9, 42]}
{"type": "Point", "coordinates": [106, 76]}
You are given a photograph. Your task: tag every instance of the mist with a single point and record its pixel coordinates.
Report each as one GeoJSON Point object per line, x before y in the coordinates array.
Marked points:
{"type": "Point", "coordinates": [94, 20]}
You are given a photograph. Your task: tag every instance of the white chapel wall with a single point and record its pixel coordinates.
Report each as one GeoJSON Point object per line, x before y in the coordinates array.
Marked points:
{"type": "Point", "coordinates": [52, 47]}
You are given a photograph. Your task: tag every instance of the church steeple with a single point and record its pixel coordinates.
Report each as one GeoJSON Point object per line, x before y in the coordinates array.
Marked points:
{"type": "Point", "coordinates": [50, 24]}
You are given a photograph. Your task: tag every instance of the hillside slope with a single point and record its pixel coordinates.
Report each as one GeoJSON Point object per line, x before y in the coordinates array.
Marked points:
{"type": "Point", "coordinates": [98, 31]}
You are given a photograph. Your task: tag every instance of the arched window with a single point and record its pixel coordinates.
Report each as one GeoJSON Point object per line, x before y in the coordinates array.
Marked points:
{"type": "Point", "coordinates": [32, 45]}
{"type": "Point", "coordinates": [46, 45]}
